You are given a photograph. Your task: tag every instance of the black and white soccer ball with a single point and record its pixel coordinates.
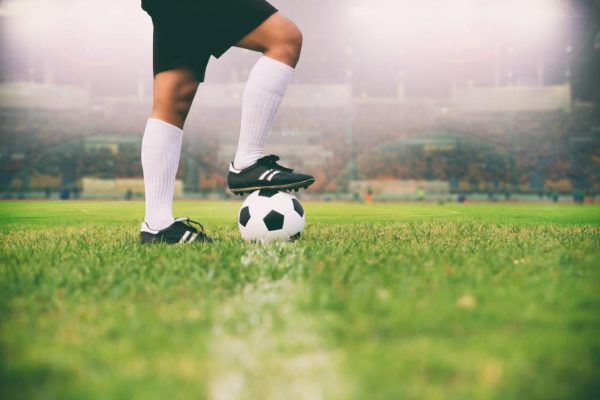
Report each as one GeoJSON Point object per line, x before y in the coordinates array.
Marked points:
{"type": "Point", "coordinates": [269, 215]}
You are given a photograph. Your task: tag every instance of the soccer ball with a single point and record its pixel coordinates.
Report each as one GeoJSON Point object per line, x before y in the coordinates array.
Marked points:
{"type": "Point", "coordinates": [269, 215]}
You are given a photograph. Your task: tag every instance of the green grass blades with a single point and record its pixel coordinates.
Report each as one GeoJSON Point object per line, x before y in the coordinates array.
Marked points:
{"type": "Point", "coordinates": [380, 301]}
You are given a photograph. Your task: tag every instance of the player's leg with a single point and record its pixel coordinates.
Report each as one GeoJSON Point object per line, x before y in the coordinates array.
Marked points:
{"type": "Point", "coordinates": [179, 66]}
{"type": "Point", "coordinates": [280, 41]}
{"type": "Point", "coordinates": [174, 92]}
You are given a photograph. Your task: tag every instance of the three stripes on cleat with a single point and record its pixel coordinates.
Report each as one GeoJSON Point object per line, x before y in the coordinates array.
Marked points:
{"type": "Point", "coordinates": [268, 175]}
{"type": "Point", "coordinates": [188, 237]}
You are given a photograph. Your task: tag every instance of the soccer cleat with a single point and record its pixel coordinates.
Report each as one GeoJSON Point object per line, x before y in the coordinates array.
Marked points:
{"type": "Point", "coordinates": [183, 230]}
{"type": "Point", "coordinates": [266, 174]}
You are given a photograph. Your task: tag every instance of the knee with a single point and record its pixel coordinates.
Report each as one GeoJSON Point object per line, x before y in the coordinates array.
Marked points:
{"type": "Point", "coordinates": [184, 97]}
{"type": "Point", "coordinates": [288, 44]}
{"type": "Point", "coordinates": [177, 100]}
{"type": "Point", "coordinates": [294, 38]}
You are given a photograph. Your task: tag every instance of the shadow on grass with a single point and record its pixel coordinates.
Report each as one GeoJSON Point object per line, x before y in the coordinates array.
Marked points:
{"type": "Point", "coordinates": [32, 381]}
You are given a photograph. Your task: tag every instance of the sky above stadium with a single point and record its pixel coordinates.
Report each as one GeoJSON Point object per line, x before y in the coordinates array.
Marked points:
{"type": "Point", "coordinates": [430, 44]}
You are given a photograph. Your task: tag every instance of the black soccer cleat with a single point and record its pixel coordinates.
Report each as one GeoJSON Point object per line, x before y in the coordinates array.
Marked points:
{"type": "Point", "coordinates": [266, 174]}
{"type": "Point", "coordinates": [183, 230]}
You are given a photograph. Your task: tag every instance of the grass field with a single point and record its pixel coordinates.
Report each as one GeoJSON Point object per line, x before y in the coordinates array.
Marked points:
{"type": "Point", "coordinates": [375, 302]}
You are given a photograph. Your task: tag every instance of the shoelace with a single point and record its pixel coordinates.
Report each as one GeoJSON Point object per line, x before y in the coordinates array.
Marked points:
{"type": "Point", "coordinates": [196, 226]}
{"type": "Point", "coordinates": [271, 162]}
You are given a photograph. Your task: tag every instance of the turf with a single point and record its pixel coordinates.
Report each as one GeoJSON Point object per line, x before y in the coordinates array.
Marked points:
{"type": "Point", "coordinates": [375, 302]}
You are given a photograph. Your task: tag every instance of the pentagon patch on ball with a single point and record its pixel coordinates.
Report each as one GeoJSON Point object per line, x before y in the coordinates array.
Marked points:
{"type": "Point", "coordinates": [298, 207]}
{"type": "Point", "coordinates": [273, 221]}
{"type": "Point", "coordinates": [244, 216]}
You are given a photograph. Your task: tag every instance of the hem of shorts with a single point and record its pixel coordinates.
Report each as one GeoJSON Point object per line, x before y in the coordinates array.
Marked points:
{"type": "Point", "coordinates": [220, 50]}
{"type": "Point", "coordinates": [182, 62]}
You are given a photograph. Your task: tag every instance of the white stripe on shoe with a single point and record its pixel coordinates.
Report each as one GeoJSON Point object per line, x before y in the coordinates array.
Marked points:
{"type": "Point", "coordinates": [184, 237]}
{"type": "Point", "coordinates": [267, 172]}
{"type": "Point", "coordinates": [272, 175]}
{"type": "Point", "coordinates": [192, 238]}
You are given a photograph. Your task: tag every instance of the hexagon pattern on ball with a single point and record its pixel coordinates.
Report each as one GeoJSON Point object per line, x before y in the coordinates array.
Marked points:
{"type": "Point", "coordinates": [268, 216]}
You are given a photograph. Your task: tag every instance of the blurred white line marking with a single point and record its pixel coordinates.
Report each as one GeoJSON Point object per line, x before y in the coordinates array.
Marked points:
{"type": "Point", "coordinates": [264, 346]}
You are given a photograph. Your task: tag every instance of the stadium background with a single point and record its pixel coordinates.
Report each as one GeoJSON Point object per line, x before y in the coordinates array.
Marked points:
{"type": "Point", "coordinates": [437, 100]}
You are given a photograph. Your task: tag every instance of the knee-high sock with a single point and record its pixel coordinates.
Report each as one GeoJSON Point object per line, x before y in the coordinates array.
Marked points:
{"type": "Point", "coordinates": [264, 91]}
{"type": "Point", "coordinates": [161, 148]}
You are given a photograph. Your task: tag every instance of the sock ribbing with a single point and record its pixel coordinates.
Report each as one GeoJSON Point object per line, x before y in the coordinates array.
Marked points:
{"type": "Point", "coordinates": [161, 149]}
{"type": "Point", "coordinates": [263, 94]}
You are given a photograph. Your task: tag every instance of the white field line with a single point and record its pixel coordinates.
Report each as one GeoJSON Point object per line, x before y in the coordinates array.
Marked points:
{"type": "Point", "coordinates": [264, 347]}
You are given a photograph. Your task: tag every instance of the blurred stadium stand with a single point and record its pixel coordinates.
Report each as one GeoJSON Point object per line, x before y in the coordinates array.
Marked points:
{"type": "Point", "coordinates": [496, 128]}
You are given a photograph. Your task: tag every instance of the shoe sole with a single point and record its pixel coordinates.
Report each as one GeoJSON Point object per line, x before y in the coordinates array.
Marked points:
{"type": "Point", "coordinates": [157, 241]}
{"type": "Point", "coordinates": [146, 238]}
{"type": "Point", "coordinates": [290, 186]}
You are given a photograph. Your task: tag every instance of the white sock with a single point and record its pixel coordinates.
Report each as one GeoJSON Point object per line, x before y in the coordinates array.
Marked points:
{"type": "Point", "coordinates": [264, 91]}
{"type": "Point", "coordinates": [161, 148]}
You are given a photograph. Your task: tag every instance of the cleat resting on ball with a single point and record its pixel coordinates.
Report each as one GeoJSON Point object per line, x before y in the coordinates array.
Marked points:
{"type": "Point", "coordinates": [266, 174]}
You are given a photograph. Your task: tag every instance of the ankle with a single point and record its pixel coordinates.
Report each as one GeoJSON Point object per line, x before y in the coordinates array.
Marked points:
{"type": "Point", "coordinates": [158, 224]}
{"type": "Point", "coordinates": [241, 163]}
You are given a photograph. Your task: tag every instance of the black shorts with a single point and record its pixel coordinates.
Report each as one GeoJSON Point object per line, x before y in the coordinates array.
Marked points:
{"type": "Point", "coordinates": [186, 36]}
